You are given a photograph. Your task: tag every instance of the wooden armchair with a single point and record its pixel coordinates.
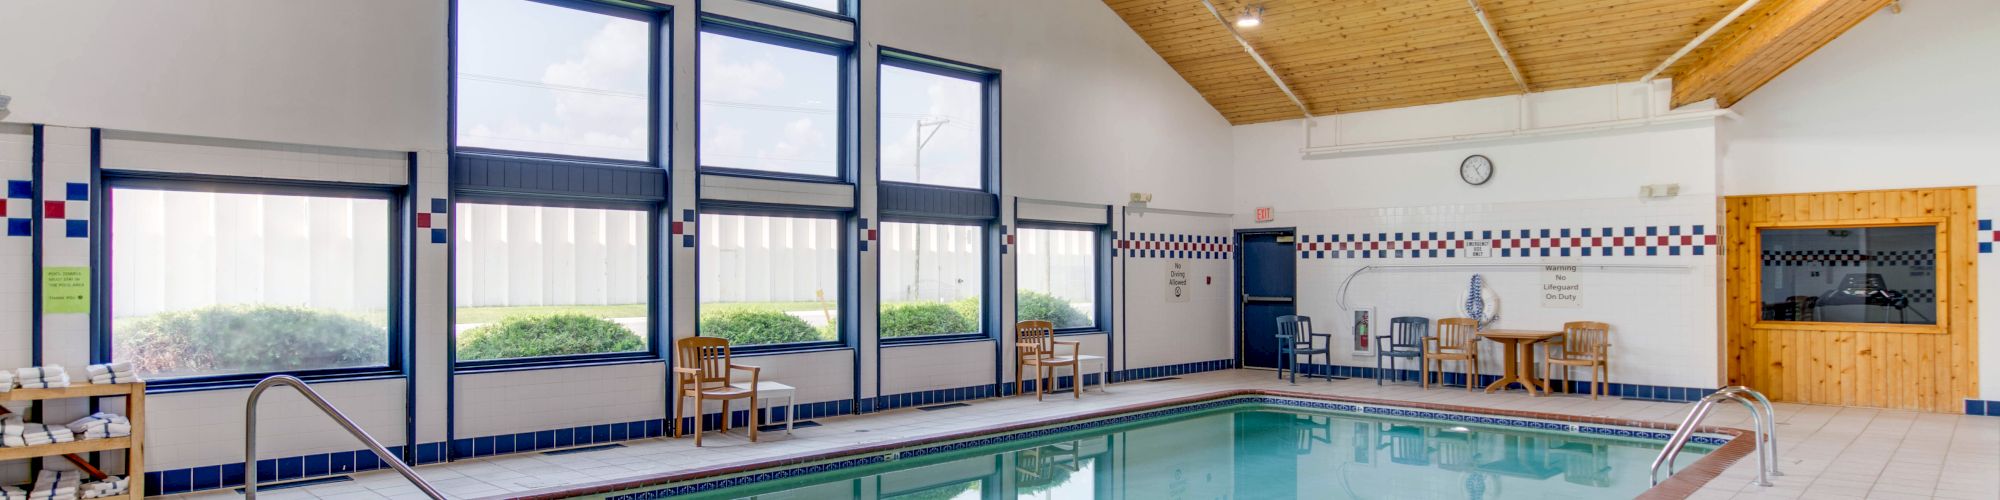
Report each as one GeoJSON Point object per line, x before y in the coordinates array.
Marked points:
{"type": "Point", "coordinates": [1584, 344]}
{"type": "Point", "coordinates": [1456, 339]}
{"type": "Point", "coordinates": [703, 372]}
{"type": "Point", "coordinates": [1035, 345]}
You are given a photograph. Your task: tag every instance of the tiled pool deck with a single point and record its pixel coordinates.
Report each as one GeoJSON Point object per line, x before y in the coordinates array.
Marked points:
{"type": "Point", "coordinates": [1825, 452]}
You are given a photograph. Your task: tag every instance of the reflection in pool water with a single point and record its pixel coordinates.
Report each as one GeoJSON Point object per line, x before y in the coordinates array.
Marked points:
{"type": "Point", "coordinates": [1255, 453]}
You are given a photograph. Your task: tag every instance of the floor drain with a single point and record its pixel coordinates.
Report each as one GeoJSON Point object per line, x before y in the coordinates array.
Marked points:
{"type": "Point", "coordinates": [299, 484]}
{"type": "Point", "coordinates": [585, 449]}
{"type": "Point", "coordinates": [943, 406]}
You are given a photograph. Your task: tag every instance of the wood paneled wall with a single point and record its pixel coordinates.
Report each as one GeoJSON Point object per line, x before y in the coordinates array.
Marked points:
{"type": "Point", "coordinates": [1854, 364]}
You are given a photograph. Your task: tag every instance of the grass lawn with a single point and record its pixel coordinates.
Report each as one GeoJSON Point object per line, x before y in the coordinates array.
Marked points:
{"type": "Point", "coordinates": [469, 315]}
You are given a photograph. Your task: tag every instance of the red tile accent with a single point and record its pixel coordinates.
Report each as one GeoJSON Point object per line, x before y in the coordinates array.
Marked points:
{"type": "Point", "coordinates": [1708, 240]}
{"type": "Point", "coordinates": [53, 209]}
{"type": "Point", "coordinates": [423, 220]}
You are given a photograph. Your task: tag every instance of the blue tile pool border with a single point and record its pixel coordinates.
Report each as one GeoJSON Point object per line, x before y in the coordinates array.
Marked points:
{"type": "Point", "coordinates": [1047, 428]}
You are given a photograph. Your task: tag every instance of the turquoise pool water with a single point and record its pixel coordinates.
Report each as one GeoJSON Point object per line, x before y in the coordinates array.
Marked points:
{"type": "Point", "coordinates": [1251, 452]}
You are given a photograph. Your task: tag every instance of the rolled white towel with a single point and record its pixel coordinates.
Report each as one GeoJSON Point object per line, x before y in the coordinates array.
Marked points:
{"type": "Point", "coordinates": [98, 419]}
{"type": "Point", "coordinates": [11, 425]}
{"type": "Point", "coordinates": [44, 371]}
{"type": "Point", "coordinates": [13, 493]}
{"type": "Point", "coordinates": [52, 381]}
{"type": "Point", "coordinates": [106, 431]}
{"type": "Point", "coordinates": [50, 484]}
{"type": "Point", "coordinates": [6, 382]}
{"type": "Point", "coordinates": [113, 367]}
{"type": "Point", "coordinates": [119, 378]}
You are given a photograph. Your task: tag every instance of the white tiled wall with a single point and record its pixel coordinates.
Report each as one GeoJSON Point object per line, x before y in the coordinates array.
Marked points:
{"type": "Point", "coordinates": [535, 400]}
{"type": "Point", "coordinates": [206, 428]}
{"type": "Point", "coordinates": [1158, 332]}
{"type": "Point", "coordinates": [937, 366]}
{"type": "Point", "coordinates": [16, 252]}
{"type": "Point", "coordinates": [1663, 320]}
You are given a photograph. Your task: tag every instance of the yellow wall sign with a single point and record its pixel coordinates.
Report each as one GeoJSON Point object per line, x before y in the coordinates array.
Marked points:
{"type": "Point", "coordinates": [65, 290]}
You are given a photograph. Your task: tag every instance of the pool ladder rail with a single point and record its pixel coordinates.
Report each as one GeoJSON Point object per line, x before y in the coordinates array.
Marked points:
{"type": "Point", "coordinates": [250, 436]}
{"type": "Point", "coordinates": [1762, 417]}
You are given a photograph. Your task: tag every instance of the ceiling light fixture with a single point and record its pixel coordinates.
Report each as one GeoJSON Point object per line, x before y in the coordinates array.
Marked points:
{"type": "Point", "coordinates": [1253, 15]}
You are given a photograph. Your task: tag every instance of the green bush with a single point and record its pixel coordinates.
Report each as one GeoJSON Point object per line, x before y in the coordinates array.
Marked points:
{"type": "Point", "coordinates": [756, 326]}
{"type": "Point", "coordinates": [967, 307]}
{"type": "Point", "coordinates": [1030, 305]}
{"type": "Point", "coordinates": [911, 319]}
{"type": "Point", "coordinates": [546, 335]}
{"type": "Point", "coordinates": [248, 338]}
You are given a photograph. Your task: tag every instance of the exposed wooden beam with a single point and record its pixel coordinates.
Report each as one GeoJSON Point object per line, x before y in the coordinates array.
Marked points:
{"type": "Point", "coordinates": [1494, 35]}
{"type": "Point", "coordinates": [1698, 40]}
{"type": "Point", "coordinates": [1248, 49]}
{"type": "Point", "coordinates": [1778, 36]}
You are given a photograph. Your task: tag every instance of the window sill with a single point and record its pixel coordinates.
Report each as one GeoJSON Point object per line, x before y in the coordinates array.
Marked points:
{"type": "Point", "coordinates": [198, 385]}
{"type": "Point", "coordinates": [772, 176]}
{"type": "Point", "coordinates": [553, 364]}
{"type": "Point", "coordinates": [936, 340]}
{"type": "Point", "coordinates": [1079, 333]}
{"type": "Point", "coordinates": [779, 350]}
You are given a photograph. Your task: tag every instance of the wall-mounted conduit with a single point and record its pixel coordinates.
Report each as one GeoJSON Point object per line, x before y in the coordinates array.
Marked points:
{"type": "Point", "coordinates": [1340, 298]}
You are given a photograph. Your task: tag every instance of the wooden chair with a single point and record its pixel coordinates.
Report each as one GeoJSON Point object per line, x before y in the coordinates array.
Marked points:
{"type": "Point", "coordinates": [1035, 345]}
{"type": "Point", "coordinates": [703, 372]}
{"type": "Point", "coordinates": [1586, 344]}
{"type": "Point", "coordinates": [1457, 339]}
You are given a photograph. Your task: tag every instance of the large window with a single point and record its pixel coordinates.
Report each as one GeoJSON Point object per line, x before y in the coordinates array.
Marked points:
{"type": "Point", "coordinates": [551, 281]}
{"type": "Point", "coordinates": [1851, 274]}
{"type": "Point", "coordinates": [540, 78]}
{"type": "Point", "coordinates": [769, 104]}
{"type": "Point", "coordinates": [770, 279]}
{"type": "Point", "coordinates": [214, 281]}
{"type": "Point", "coordinates": [933, 126]}
{"type": "Point", "coordinates": [832, 6]}
{"type": "Point", "coordinates": [931, 279]}
{"type": "Point", "coordinates": [1056, 276]}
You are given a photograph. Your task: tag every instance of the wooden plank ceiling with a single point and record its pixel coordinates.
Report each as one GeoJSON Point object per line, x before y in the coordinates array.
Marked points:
{"type": "Point", "coordinates": [1344, 56]}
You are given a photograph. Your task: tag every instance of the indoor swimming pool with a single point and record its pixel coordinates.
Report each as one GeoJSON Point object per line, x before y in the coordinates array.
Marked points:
{"type": "Point", "coordinates": [1241, 448]}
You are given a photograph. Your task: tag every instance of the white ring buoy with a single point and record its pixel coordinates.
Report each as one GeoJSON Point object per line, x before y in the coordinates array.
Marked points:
{"type": "Point", "coordinates": [1487, 309]}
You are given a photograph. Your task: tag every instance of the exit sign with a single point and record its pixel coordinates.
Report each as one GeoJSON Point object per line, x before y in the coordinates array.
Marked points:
{"type": "Point", "coordinates": [1264, 214]}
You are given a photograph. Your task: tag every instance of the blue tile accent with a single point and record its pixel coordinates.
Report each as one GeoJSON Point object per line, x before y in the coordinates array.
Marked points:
{"type": "Point", "coordinates": [439, 206]}
{"type": "Point", "coordinates": [176, 481]}
{"type": "Point", "coordinates": [76, 228]}
{"type": "Point", "coordinates": [291, 468]}
{"type": "Point", "coordinates": [1984, 246]}
{"type": "Point", "coordinates": [153, 483]}
{"type": "Point", "coordinates": [687, 215]}
{"type": "Point", "coordinates": [26, 227]}
{"type": "Point", "coordinates": [438, 235]}
{"type": "Point", "coordinates": [20, 189]}
{"type": "Point", "coordinates": [76, 191]}
{"type": "Point", "coordinates": [1985, 224]}
{"type": "Point", "coordinates": [342, 462]}
{"type": "Point", "coordinates": [207, 477]}
{"type": "Point", "coordinates": [687, 240]}
{"type": "Point", "coordinates": [232, 474]}
{"type": "Point", "coordinates": [315, 465]}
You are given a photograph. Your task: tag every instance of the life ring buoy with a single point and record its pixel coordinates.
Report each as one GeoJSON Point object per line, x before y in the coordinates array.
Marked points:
{"type": "Point", "coordinates": [1479, 302]}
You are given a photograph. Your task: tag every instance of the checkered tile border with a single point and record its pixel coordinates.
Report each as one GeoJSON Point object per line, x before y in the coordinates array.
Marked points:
{"type": "Point", "coordinates": [1987, 236]}
{"type": "Point", "coordinates": [1628, 241]}
{"type": "Point", "coordinates": [1847, 258]}
{"type": "Point", "coordinates": [19, 208]}
{"type": "Point", "coordinates": [1176, 246]}
{"type": "Point", "coordinates": [73, 210]}
{"type": "Point", "coordinates": [434, 219]}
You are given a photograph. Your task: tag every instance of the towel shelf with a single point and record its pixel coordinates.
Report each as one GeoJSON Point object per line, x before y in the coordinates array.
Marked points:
{"type": "Point", "coordinates": [55, 449]}
{"type": "Point", "coordinates": [74, 391]}
{"type": "Point", "coordinates": [135, 410]}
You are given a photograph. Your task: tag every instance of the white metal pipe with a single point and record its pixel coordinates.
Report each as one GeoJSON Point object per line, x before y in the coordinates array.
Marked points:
{"type": "Point", "coordinates": [1696, 42]}
{"type": "Point", "coordinates": [1340, 298]}
{"type": "Point", "coordinates": [1259, 58]}
{"type": "Point", "coordinates": [1531, 132]}
{"type": "Point", "coordinates": [1494, 35]}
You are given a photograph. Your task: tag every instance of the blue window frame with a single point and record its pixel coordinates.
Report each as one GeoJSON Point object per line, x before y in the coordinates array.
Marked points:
{"type": "Point", "coordinates": [774, 103]}
{"type": "Point", "coordinates": [211, 282]}
{"type": "Point", "coordinates": [774, 278]}
{"type": "Point", "coordinates": [558, 135]}
{"type": "Point", "coordinates": [938, 122]}
{"type": "Point", "coordinates": [1062, 274]}
{"type": "Point", "coordinates": [837, 9]}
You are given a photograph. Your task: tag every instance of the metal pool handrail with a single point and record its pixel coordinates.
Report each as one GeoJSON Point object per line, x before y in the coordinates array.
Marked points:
{"type": "Point", "coordinates": [1763, 419]}
{"type": "Point", "coordinates": [250, 436]}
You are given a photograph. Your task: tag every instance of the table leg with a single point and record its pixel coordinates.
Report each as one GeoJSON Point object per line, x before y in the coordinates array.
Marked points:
{"type": "Point", "coordinates": [1507, 371]}
{"type": "Point", "coordinates": [1527, 365]}
{"type": "Point", "coordinates": [791, 411]}
{"type": "Point", "coordinates": [1104, 376]}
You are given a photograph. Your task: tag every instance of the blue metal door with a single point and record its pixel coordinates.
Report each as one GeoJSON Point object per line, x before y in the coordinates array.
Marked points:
{"type": "Point", "coordinates": [1267, 282]}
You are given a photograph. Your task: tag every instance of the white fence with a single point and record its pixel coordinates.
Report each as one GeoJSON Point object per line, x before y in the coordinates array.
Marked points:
{"type": "Point", "coordinates": [179, 250]}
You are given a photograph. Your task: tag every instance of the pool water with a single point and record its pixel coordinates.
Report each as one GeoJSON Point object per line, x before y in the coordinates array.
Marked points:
{"type": "Point", "coordinates": [1254, 452]}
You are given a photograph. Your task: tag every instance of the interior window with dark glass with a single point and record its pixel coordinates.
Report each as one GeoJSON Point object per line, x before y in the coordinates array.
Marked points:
{"type": "Point", "coordinates": [1851, 275]}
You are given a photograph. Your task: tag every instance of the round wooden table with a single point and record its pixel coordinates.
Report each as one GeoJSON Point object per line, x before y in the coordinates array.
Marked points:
{"type": "Point", "coordinates": [1519, 350]}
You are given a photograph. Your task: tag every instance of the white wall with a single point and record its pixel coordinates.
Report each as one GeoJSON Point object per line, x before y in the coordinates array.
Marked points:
{"type": "Point", "coordinates": [316, 91]}
{"type": "Point", "coordinates": [1900, 101]}
{"type": "Point", "coordinates": [1663, 320]}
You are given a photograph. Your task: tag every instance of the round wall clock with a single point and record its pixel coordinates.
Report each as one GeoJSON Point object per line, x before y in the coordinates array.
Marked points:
{"type": "Point", "coordinates": [1475, 170]}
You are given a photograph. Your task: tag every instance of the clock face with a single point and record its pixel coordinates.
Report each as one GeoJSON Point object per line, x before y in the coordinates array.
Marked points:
{"type": "Point", "coordinates": [1475, 170]}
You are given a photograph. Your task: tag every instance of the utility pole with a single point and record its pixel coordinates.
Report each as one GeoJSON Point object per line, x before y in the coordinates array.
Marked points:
{"type": "Point", "coordinates": [917, 284]}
